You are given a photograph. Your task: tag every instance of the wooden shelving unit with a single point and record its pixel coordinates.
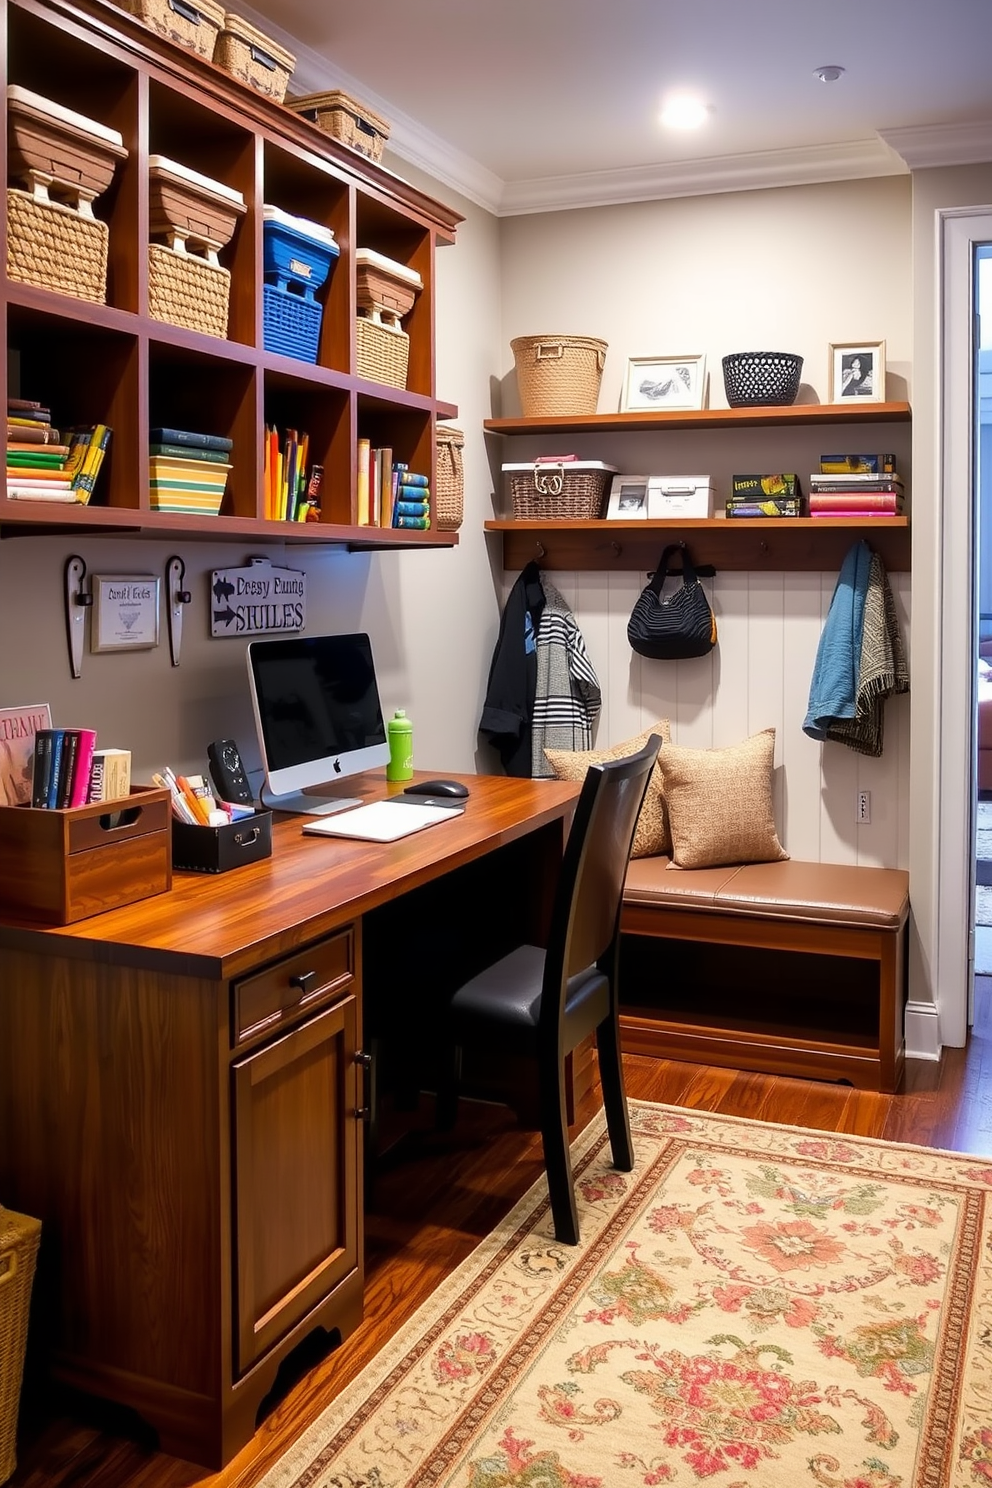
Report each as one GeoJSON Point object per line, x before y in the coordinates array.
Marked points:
{"type": "Point", "coordinates": [116, 364]}
{"type": "Point", "coordinates": [801, 543]}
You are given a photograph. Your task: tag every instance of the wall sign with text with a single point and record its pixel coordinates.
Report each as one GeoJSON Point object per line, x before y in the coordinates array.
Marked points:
{"type": "Point", "coordinates": [257, 600]}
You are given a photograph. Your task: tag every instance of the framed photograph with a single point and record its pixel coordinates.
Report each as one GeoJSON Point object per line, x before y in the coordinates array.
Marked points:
{"type": "Point", "coordinates": [628, 498]}
{"type": "Point", "coordinates": [125, 612]}
{"type": "Point", "coordinates": [660, 382]}
{"type": "Point", "coordinates": [857, 372]}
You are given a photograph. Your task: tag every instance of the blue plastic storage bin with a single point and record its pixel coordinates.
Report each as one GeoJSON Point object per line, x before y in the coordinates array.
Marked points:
{"type": "Point", "coordinates": [296, 251]}
{"type": "Point", "coordinates": [290, 323]}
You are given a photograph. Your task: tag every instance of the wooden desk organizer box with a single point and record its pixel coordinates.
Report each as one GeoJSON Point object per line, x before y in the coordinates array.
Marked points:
{"type": "Point", "coordinates": [61, 866]}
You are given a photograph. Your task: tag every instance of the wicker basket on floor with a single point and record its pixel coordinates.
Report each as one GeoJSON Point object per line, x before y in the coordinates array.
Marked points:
{"type": "Point", "coordinates": [449, 498]}
{"type": "Point", "coordinates": [187, 291]}
{"type": "Point", "coordinates": [558, 375]}
{"type": "Point", "coordinates": [55, 247]}
{"type": "Point", "coordinates": [19, 1239]}
{"type": "Point", "coordinates": [194, 26]}
{"type": "Point", "coordinates": [383, 353]}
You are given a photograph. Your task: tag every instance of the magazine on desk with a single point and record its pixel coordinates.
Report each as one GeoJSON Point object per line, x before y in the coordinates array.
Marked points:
{"type": "Point", "coordinates": [381, 821]}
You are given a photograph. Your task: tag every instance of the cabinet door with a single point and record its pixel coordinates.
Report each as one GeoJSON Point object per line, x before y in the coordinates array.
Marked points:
{"type": "Point", "coordinates": [297, 1176]}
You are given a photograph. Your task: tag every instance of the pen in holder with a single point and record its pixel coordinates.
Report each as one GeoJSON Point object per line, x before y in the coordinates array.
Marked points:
{"type": "Point", "coordinates": [218, 849]}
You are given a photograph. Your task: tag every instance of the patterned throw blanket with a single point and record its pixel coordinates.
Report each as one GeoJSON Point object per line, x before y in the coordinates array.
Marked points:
{"type": "Point", "coordinates": [860, 660]}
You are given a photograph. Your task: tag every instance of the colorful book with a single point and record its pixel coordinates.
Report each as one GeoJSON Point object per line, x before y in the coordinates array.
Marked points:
{"type": "Point", "coordinates": [411, 478]}
{"type": "Point", "coordinates": [33, 493]}
{"type": "Point", "coordinates": [67, 768]}
{"type": "Point", "coordinates": [854, 464]}
{"type": "Point", "coordinates": [33, 433]}
{"type": "Point", "coordinates": [847, 515]}
{"type": "Point", "coordinates": [418, 523]}
{"type": "Point", "coordinates": [363, 500]}
{"type": "Point", "coordinates": [773, 506]}
{"type": "Point", "coordinates": [29, 476]}
{"type": "Point", "coordinates": [33, 452]}
{"type": "Point", "coordinates": [411, 509]}
{"type": "Point", "coordinates": [188, 437]}
{"type": "Point", "coordinates": [19, 727]}
{"type": "Point", "coordinates": [84, 766]}
{"type": "Point", "coordinates": [869, 501]}
{"type": "Point", "coordinates": [190, 452]}
{"type": "Point", "coordinates": [852, 482]}
{"type": "Point", "coordinates": [54, 775]}
{"type": "Point", "coordinates": [110, 775]}
{"type": "Point", "coordinates": [87, 447]}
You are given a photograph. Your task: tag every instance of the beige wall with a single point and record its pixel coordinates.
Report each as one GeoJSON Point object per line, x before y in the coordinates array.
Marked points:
{"type": "Point", "coordinates": [788, 270]}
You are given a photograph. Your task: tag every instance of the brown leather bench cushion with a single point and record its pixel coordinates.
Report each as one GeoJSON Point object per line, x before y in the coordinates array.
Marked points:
{"type": "Point", "coordinates": [824, 893]}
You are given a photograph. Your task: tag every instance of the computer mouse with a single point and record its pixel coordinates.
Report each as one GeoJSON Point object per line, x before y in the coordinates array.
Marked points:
{"type": "Point", "coordinates": [436, 788]}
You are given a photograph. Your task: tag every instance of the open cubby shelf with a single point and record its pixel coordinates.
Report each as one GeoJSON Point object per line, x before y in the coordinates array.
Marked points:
{"type": "Point", "coordinates": [117, 364]}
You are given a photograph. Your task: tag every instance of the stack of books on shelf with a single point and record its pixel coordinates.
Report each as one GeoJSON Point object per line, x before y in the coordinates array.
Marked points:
{"type": "Point", "coordinates": [389, 493]}
{"type": "Point", "coordinates": [856, 486]}
{"type": "Point", "coordinates": [40, 466]}
{"type": "Point", "coordinates": [188, 471]}
{"type": "Point", "coordinates": [765, 496]}
{"type": "Point", "coordinates": [292, 487]}
{"type": "Point", "coordinates": [412, 503]}
{"type": "Point", "coordinates": [69, 770]}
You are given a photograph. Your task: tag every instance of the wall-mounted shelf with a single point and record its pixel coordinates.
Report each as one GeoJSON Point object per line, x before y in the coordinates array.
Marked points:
{"type": "Point", "coordinates": [799, 543]}
{"type": "Point", "coordinates": [116, 363]}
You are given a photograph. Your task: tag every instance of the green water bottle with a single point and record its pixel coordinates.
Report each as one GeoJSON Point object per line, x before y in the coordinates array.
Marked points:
{"type": "Point", "coordinates": [399, 732]}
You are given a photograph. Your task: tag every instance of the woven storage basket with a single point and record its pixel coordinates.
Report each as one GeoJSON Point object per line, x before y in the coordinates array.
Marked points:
{"type": "Point", "coordinates": [755, 379]}
{"type": "Point", "coordinates": [19, 1238]}
{"type": "Point", "coordinates": [195, 26]}
{"type": "Point", "coordinates": [561, 493]}
{"type": "Point", "coordinates": [55, 247]}
{"type": "Point", "coordinates": [187, 291]}
{"type": "Point", "coordinates": [253, 58]}
{"type": "Point", "coordinates": [449, 488]}
{"type": "Point", "coordinates": [558, 375]}
{"type": "Point", "coordinates": [382, 352]}
{"type": "Point", "coordinates": [346, 119]}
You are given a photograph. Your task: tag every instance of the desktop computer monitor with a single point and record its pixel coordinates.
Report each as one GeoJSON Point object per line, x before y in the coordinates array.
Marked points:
{"type": "Point", "coordinates": [318, 718]}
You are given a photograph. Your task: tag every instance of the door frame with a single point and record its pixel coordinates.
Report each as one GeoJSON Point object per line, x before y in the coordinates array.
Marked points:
{"type": "Point", "coordinates": [959, 231]}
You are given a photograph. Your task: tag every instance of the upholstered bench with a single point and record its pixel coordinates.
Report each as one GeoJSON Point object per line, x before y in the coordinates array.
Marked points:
{"type": "Point", "coordinates": [786, 967]}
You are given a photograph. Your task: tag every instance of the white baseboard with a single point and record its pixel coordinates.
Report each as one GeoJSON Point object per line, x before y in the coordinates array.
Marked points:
{"type": "Point", "coordinates": [922, 1029]}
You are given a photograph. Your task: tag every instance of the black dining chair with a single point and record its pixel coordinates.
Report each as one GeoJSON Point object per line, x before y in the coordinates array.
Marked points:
{"type": "Point", "coordinates": [543, 1003]}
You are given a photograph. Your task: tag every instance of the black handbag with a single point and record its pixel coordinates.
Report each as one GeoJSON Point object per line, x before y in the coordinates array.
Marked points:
{"type": "Point", "coordinates": [679, 626]}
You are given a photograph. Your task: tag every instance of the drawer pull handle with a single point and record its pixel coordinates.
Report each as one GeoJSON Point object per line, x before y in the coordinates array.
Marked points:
{"type": "Point", "coordinates": [304, 981]}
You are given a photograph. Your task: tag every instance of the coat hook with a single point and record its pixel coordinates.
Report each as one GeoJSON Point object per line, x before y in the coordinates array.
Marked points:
{"type": "Point", "coordinates": [77, 601]}
{"type": "Point", "coordinates": [539, 551]}
{"type": "Point", "coordinates": [617, 549]}
{"type": "Point", "coordinates": [177, 596]}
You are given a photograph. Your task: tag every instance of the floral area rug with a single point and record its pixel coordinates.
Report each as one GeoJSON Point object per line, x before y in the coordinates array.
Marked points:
{"type": "Point", "coordinates": [755, 1306]}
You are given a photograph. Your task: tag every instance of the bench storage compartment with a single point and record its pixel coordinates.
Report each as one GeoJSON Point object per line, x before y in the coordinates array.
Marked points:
{"type": "Point", "coordinates": [790, 968]}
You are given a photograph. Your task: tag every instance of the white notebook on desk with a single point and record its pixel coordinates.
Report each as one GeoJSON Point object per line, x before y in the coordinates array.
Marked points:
{"type": "Point", "coordinates": [381, 821]}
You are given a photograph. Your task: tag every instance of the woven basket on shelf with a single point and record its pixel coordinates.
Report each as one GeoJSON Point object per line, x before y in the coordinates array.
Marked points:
{"type": "Point", "coordinates": [19, 1239]}
{"type": "Point", "coordinates": [195, 26]}
{"type": "Point", "coordinates": [345, 119]}
{"type": "Point", "coordinates": [558, 493]}
{"type": "Point", "coordinates": [449, 488]}
{"type": "Point", "coordinates": [55, 247]}
{"type": "Point", "coordinates": [558, 375]}
{"type": "Point", "coordinates": [253, 58]}
{"type": "Point", "coordinates": [383, 352]}
{"type": "Point", "coordinates": [754, 379]}
{"type": "Point", "coordinates": [187, 291]}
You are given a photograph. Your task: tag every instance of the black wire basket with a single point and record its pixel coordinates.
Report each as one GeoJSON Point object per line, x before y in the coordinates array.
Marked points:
{"type": "Point", "coordinates": [754, 379]}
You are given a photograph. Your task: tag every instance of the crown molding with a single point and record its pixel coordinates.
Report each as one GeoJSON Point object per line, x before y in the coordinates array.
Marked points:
{"type": "Point", "coordinates": [942, 144]}
{"type": "Point", "coordinates": [754, 172]}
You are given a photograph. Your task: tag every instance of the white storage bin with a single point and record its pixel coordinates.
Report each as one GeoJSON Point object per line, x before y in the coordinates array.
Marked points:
{"type": "Point", "coordinates": [679, 496]}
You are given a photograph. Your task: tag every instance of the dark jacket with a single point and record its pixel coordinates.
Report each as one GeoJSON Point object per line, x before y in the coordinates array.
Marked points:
{"type": "Point", "coordinates": [508, 710]}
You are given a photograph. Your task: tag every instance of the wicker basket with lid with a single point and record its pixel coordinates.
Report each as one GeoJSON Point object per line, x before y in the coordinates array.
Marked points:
{"type": "Point", "coordinates": [253, 58]}
{"type": "Point", "coordinates": [19, 1239]}
{"type": "Point", "coordinates": [345, 119]}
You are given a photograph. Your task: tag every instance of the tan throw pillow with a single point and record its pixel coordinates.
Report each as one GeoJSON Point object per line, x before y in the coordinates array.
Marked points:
{"type": "Point", "coordinates": [719, 803]}
{"type": "Point", "coordinates": [651, 833]}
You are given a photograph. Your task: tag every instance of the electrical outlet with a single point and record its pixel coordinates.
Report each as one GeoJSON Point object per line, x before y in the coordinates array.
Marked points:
{"type": "Point", "coordinates": [862, 808]}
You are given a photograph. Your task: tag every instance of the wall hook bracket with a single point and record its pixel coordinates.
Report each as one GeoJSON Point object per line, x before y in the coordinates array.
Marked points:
{"type": "Point", "coordinates": [177, 597]}
{"type": "Point", "coordinates": [77, 602]}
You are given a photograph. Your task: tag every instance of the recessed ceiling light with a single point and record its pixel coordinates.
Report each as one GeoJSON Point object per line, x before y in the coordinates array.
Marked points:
{"type": "Point", "coordinates": [828, 74]}
{"type": "Point", "coordinates": [682, 111]}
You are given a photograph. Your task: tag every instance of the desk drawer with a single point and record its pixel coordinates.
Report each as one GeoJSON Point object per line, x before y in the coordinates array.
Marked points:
{"type": "Point", "coordinates": [304, 980]}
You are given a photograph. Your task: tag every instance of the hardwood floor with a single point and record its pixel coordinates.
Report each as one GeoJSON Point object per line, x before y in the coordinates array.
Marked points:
{"type": "Point", "coordinates": [442, 1192]}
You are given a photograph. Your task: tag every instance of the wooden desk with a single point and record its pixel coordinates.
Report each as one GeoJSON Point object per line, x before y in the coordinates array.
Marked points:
{"type": "Point", "coordinates": [181, 1099]}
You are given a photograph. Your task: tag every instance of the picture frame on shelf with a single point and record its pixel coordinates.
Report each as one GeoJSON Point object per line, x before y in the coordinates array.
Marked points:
{"type": "Point", "coordinates": [857, 372]}
{"type": "Point", "coordinates": [628, 498]}
{"type": "Point", "coordinates": [658, 383]}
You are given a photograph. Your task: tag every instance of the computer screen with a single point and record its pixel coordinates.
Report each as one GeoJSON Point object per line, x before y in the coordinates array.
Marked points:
{"type": "Point", "coordinates": [317, 715]}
